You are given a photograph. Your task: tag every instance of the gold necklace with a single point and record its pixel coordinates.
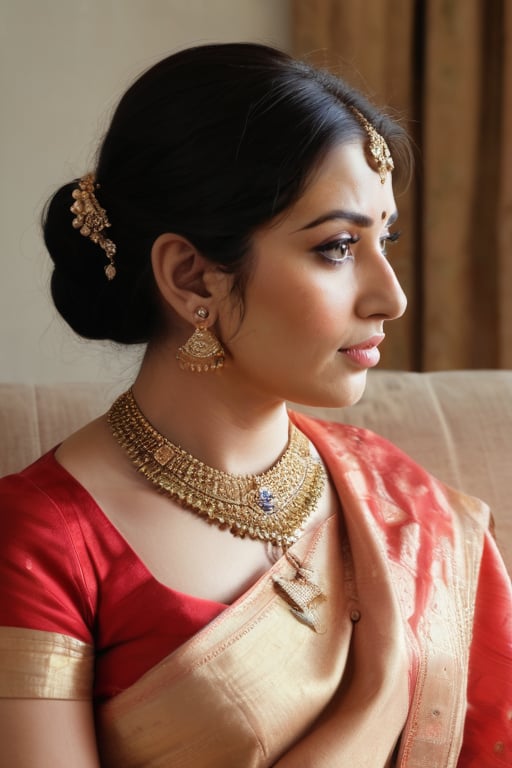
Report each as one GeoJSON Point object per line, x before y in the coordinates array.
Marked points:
{"type": "Point", "coordinates": [273, 506]}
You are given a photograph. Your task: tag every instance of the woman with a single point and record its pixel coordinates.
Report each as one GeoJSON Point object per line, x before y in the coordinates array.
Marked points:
{"type": "Point", "coordinates": [201, 578]}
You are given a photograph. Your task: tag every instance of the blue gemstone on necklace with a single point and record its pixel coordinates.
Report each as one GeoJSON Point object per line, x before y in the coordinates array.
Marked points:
{"type": "Point", "coordinates": [266, 500]}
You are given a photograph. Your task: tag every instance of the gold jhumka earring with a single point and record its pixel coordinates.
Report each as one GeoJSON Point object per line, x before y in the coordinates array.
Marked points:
{"type": "Point", "coordinates": [203, 351]}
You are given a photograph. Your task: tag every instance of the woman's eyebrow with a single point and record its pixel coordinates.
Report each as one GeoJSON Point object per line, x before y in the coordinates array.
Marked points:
{"type": "Point", "coordinates": [356, 218]}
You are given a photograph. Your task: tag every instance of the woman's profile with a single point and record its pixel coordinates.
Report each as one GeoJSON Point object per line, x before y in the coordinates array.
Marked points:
{"type": "Point", "coordinates": [204, 577]}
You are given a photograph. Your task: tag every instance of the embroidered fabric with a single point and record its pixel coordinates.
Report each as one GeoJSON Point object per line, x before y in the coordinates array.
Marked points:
{"type": "Point", "coordinates": [408, 597]}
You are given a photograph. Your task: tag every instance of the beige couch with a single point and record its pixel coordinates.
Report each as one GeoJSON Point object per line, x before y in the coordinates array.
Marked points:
{"type": "Point", "coordinates": [457, 424]}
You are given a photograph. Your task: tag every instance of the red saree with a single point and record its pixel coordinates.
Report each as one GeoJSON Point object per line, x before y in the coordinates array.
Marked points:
{"type": "Point", "coordinates": [355, 651]}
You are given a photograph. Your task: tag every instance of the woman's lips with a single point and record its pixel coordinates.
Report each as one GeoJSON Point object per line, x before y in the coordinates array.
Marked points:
{"type": "Point", "coordinates": [365, 354]}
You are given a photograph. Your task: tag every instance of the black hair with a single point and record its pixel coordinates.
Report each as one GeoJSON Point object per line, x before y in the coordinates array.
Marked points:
{"type": "Point", "coordinates": [212, 143]}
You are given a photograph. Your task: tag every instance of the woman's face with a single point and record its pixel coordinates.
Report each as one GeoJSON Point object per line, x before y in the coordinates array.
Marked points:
{"type": "Point", "coordinates": [320, 290]}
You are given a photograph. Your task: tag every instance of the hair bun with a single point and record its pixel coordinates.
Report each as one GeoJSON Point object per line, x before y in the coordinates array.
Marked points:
{"type": "Point", "coordinates": [91, 304]}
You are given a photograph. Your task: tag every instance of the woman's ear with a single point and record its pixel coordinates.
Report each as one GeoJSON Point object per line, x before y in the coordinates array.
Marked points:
{"type": "Point", "coordinates": [182, 275]}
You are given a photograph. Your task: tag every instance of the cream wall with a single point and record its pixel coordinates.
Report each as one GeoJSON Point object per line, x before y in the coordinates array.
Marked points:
{"type": "Point", "coordinates": [63, 65]}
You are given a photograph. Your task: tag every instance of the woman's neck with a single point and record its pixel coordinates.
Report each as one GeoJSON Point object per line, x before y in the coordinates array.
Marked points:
{"type": "Point", "coordinates": [210, 416]}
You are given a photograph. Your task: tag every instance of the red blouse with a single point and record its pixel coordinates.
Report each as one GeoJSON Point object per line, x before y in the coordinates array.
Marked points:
{"type": "Point", "coordinates": [65, 568]}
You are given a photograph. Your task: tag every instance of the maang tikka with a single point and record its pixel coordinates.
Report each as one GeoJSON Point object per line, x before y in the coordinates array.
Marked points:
{"type": "Point", "coordinates": [203, 351]}
{"type": "Point", "coordinates": [377, 146]}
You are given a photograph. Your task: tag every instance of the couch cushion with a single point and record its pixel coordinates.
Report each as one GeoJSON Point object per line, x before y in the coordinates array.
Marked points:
{"type": "Point", "coordinates": [35, 417]}
{"type": "Point", "coordinates": [457, 424]}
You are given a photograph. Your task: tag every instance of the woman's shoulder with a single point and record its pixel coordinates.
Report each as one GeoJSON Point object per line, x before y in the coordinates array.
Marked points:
{"type": "Point", "coordinates": [48, 577]}
{"type": "Point", "coordinates": [388, 472]}
{"type": "Point", "coordinates": [43, 490]}
{"type": "Point", "coordinates": [48, 510]}
{"type": "Point", "coordinates": [34, 487]}
{"type": "Point", "coordinates": [351, 441]}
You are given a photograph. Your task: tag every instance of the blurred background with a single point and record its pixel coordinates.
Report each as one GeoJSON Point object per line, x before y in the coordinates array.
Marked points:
{"type": "Point", "coordinates": [443, 67]}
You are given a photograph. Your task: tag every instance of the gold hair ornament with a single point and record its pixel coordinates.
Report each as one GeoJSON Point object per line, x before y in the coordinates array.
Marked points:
{"type": "Point", "coordinates": [377, 146]}
{"type": "Point", "coordinates": [203, 351]}
{"type": "Point", "coordinates": [91, 219]}
{"type": "Point", "coordinates": [273, 506]}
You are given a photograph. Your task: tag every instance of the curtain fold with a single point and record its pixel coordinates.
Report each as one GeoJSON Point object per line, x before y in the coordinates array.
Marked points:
{"type": "Point", "coordinates": [504, 212]}
{"type": "Point", "coordinates": [444, 68]}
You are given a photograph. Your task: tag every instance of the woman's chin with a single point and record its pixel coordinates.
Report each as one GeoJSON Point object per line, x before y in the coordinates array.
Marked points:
{"type": "Point", "coordinates": [348, 393]}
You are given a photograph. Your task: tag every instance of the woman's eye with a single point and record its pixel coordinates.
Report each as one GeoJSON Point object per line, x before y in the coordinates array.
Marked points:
{"type": "Point", "coordinates": [337, 251]}
{"type": "Point", "coordinates": [391, 237]}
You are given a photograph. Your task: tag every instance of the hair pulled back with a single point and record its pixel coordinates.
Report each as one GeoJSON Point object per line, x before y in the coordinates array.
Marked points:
{"type": "Point", "coordinates": [211, 143]}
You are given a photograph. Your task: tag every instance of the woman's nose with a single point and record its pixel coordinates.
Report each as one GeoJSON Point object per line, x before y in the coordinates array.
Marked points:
{"type": "Point", "coordinates": [380, 293]}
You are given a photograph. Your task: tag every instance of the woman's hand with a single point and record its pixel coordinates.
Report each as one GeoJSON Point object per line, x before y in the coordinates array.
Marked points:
{"type": "Point", "coordinates": [39, 733]}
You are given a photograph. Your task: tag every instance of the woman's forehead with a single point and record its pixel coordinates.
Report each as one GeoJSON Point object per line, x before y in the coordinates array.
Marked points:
{"type": "Point", "coordinates": [343, 182]}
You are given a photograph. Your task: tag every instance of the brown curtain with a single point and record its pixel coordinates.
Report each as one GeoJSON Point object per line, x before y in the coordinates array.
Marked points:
{"type": "Point", "coordinates": [444, 68]}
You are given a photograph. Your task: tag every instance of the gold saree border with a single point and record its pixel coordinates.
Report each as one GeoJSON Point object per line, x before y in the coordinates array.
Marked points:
{"type": "Point", "coordinates": [248, 689]}
{"type": "Point", "coordinates": [435, 727]}
{"type": "Point", "coordinates": [35, 664]}
{"type": "Point", "coordinates": [214, 689]}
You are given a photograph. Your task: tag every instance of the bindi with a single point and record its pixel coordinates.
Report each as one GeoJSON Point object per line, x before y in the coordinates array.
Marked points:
{"type": "Point", "coordinates": [383, 215]}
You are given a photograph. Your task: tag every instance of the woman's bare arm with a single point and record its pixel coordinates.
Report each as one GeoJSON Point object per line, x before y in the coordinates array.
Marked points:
{"type": "Point", "coordinates": [47, 734]}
